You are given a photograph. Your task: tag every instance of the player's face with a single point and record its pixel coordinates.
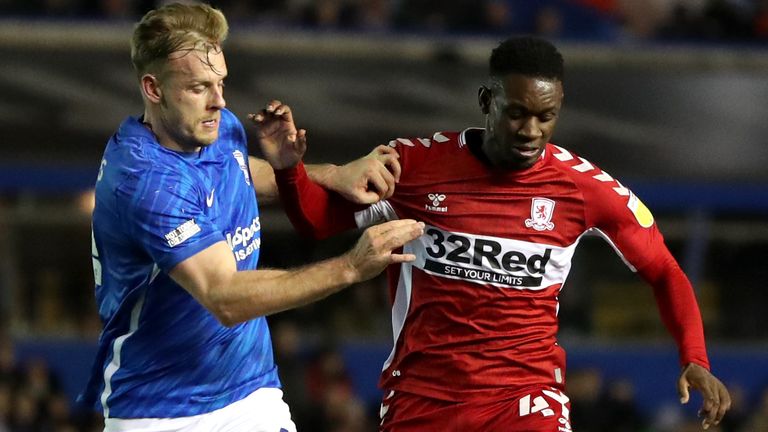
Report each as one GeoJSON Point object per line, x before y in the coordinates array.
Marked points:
{"type": "Point", "coordinates": [192, 97]}
{"type": "Point", "coordinates": [521, 113]}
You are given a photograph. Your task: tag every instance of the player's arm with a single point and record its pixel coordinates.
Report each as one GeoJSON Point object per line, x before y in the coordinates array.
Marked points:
{"type": "Point", "coordinates": [680, 313]}
{"type": "Point", "coordinates": [233, 296]}
{"type": "Point", "coordinates": [630, 226]}
{"type": "Point", "coordinates": [363, 181]}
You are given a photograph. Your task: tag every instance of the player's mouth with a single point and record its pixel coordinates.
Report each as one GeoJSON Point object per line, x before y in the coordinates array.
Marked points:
{"type": "Point", "coordinates": [210, 123]}
{"type": "Point", "coordinates": [526, 151]}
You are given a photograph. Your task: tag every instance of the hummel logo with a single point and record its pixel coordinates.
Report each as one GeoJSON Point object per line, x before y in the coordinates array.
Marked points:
{"type": "Point", "coordinates": [436, 200]}
{"type": "Point", "coordinates": [209, 198]}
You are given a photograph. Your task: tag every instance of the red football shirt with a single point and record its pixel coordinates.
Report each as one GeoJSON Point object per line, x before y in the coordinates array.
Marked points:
{"type": "Point", "coordinates": [476, 313]}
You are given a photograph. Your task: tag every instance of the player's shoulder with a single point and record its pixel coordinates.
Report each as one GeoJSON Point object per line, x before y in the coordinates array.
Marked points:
{"type": "Point", "coordinates": [438, 139]}
{"type": "Point", "coordinates": [584, 173]}
{"type": "Point", "coordinates": [137, 161]}
{"type": "Point", "coordinates": [442, 141]}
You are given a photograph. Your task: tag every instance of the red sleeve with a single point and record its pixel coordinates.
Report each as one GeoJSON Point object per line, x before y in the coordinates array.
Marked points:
{"type": "Point", "coordinates": [630, 227]}
{"type": "Point", "coordinates": [314, 211]}
{"type": "Point", "coordinates": [678, 307]}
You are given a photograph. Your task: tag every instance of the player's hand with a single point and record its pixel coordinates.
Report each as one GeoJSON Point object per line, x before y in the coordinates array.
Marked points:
{"type": "Point", "coordinates": [373, 251]}
{"type": "Point", "coordinates": [717, 400]}
{"type": "Point", "coordinates": [369, 179]}
{"type": "Point", "coordinates": [281, 143]}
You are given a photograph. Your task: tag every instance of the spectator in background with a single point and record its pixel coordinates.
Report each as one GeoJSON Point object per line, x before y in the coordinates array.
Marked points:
{"type": "Point", "coordinates": [757, 420]}
{"type": "Point", "coordinates": [621, 412]}
{"type": "Point", "coordinates": [291, 355]}
{"type": "Point", "coordinates": [760, 20]}
{"type": "Point", "coordinates": [585, 387]}
{"type": "Point", "coordinates": [331, 391]}
{"type": "Point", "coordinates": [499, 16]}
{"type": "Point", "coordinates": [6, 398]}
{"type": "Point", "coordinates": [435, 16]}
{"type": "Point", "coordinates": [362, 314]}
{"type": "Point", "coordinates": [9, 370]}
{"type": "Point", "coordinates": [549, 22]}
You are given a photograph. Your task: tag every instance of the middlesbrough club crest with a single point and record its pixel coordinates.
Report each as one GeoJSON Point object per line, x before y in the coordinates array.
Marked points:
{"type": "Point", "coordinates": [541, 214]}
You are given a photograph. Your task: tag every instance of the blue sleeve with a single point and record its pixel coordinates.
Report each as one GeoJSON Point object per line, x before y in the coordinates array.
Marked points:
{"type": "Point", "coordinates": [164, 212]}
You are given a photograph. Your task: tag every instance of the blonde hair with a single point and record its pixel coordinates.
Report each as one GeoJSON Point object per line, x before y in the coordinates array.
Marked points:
{"type": "Point", "coordinates": [172, 28]}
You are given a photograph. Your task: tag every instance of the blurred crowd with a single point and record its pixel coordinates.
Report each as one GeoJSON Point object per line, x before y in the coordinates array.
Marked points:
{"type": "Point", "coordinates": [32, 398]}
{"type": "Point", "coordinates": [320, 390]}
{"type": "Point", "coordinates": [612, 20]}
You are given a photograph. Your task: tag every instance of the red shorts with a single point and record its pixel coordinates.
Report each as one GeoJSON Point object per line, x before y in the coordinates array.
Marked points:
{"type": "Point", "coordinates": [535, 409]}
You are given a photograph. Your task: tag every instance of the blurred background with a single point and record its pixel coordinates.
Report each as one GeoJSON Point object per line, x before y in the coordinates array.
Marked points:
{"type": "Point", "coordinates": [670, 96]}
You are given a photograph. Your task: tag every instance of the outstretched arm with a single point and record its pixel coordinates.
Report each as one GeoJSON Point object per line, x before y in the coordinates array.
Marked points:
{"type": "Point", "coordinates": [680, 313]}
{"type": "Point", "coordinates": [629, 226]}
{"type": "Point", "coordinates": [363, 181]}
{"type": "Point", "coordinates": [211, 275]}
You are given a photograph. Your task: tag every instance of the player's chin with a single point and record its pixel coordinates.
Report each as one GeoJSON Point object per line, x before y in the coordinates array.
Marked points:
{"type": "Point", "coordinates": [519, 162]}
{"type": "Point", "coordinates": [206, 139]}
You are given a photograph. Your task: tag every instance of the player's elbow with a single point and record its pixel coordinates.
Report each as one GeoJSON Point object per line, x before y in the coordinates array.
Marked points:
{"type": "Point", "coordinates": [219, 302]}
{"type": "Point", "coordinates": [224, 313]}
{"type": "Point", "coordinates": [224, 309]}
{"type": "Point", "coordinates": [228, 319]}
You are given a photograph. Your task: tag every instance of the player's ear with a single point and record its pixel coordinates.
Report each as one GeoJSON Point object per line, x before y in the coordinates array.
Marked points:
{"type": "Point", "coordinates": [484, 99]}
{"type": "Point", "coordinates": [150, 88]}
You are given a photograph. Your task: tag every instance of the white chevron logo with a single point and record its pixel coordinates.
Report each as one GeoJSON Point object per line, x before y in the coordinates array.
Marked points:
{"type": "Point", "coordinates": [440, 137]}
{"type": "Point", "coordinates": [603, 177]}
{"type": "Point", "coordinates": [564, 154]}
{"type": "Point", "coordinates": [584, 166]}
{"type": "Point", "coordinates": [621, 190]}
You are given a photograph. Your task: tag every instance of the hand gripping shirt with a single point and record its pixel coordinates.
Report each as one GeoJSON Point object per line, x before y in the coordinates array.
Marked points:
{"type": "Point", "coordinates": [476, 313]}
{"type": "Point", "coordinates": [161, 353]}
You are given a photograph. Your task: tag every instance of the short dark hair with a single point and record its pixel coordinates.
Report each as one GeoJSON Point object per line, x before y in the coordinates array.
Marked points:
{"type": "Point", "coordinates": [529, 56]}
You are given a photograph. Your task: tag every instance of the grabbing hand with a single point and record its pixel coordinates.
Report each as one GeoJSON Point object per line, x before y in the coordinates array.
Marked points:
{"type": "Point", "coordinates": [369, 179]}
{"type": "Point", "coordinates": [282, 145]}
{"type": "Point", "coordinates": [717, 400]}
{"type": "Point", "coordinates": [373, 251]}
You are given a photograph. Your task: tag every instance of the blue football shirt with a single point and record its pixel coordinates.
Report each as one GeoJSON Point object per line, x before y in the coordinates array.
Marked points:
{"type": "Point", "coordinates": [161, 354]}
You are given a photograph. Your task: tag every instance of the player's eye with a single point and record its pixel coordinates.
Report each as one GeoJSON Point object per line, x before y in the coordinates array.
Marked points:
{"type": "Point", "coordinates": [515, 114]}
{"type": "Point", "coordinates": [548, 117]}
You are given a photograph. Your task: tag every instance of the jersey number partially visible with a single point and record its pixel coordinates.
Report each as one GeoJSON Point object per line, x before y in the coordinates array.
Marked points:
{"type": "Point", "coordinates": [95, 259]}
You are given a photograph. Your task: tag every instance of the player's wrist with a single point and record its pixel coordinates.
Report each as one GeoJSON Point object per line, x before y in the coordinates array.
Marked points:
{"type": "Point", "coordinates": [326, 175]}
{"type": "Point", "coordinates": [346, 270]}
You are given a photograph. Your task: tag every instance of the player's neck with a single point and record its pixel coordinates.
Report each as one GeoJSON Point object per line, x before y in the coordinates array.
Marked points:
{"type": "Point", "coordinates": [165, 139]}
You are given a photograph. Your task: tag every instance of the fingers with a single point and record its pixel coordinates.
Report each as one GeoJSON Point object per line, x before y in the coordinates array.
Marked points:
{"type": "Point", "coordinates": [682, 389]}
{"type": "Point", "coordinates": [388, 156]}
{"type": "Point", "coordinates": [373, 252]}
{"type": "Point", "coordinates": [382, 181]}
{"type": "Point", "coordinates": [404, 233]}
{"type": "Point", "coordinates": [395, 234]}
{"type": "Point", "coordinates": [301, 141]}
{"type": "Point", "coordinates": [402, 258]}
{"type": "Point", "coordinates": [709, 411]}
{"type": "Point", "coordinates": [717, 401]}
{"type": "Point", "coordinates": [396, 227]}
{"type": "Point", "coordinates": [725, 403]}
{"type": "Point", "coordinates": [273, 110]}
